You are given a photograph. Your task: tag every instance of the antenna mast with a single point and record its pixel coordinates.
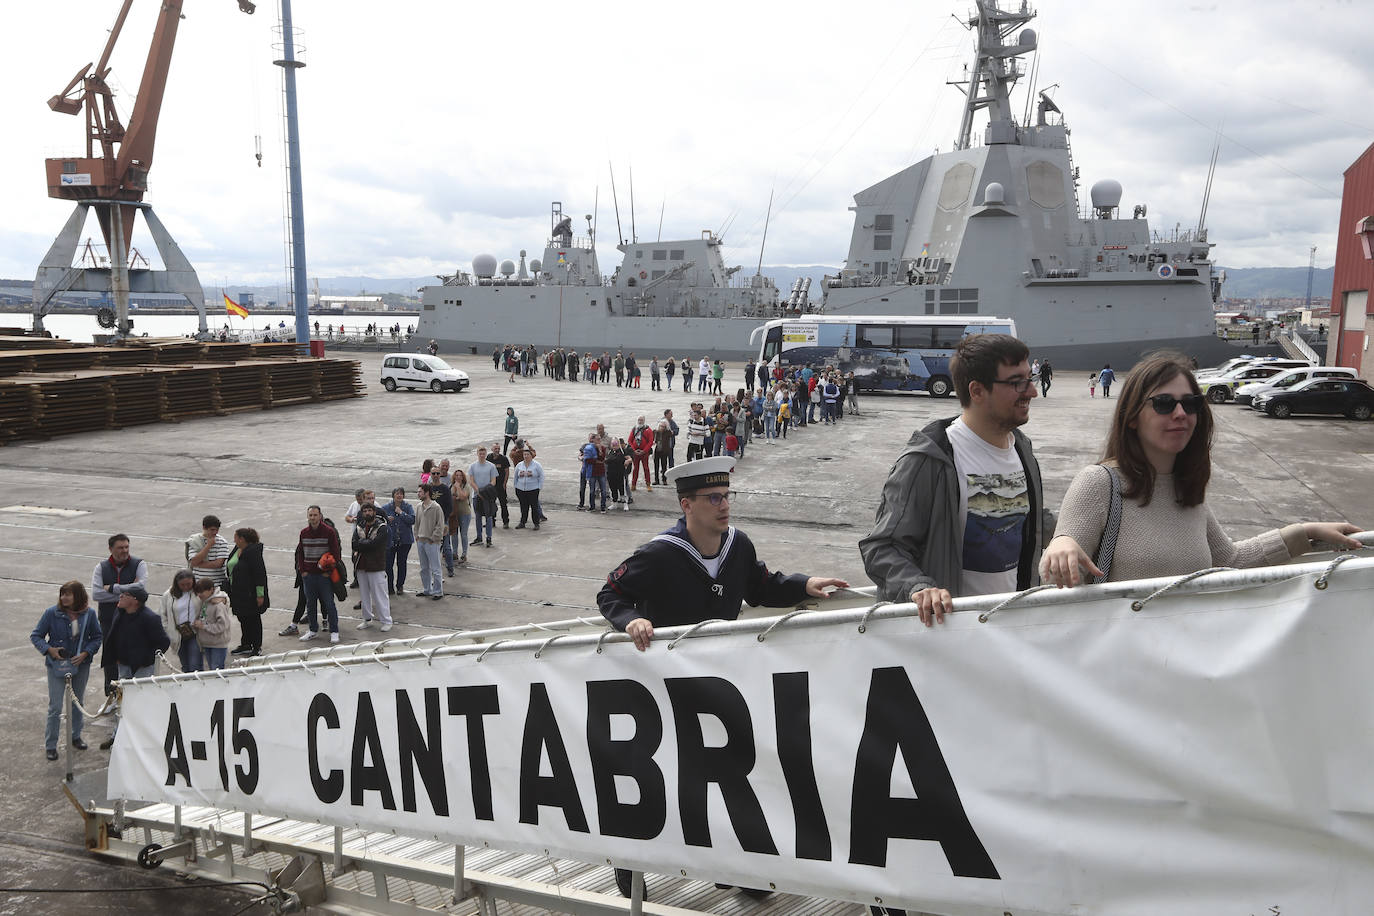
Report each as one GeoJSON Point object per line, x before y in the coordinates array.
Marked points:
{"type": "Point", "coordinates": [619, 233]}
{"type": "Point", "coordinates": [660, 218]}
{"type": "Point", "coordinates": [766, 218]}
{"type": "Point", "coordinates": [1207, 192]}
{"type": "Point", "coordinates": [1311, 266]}
{"type": "Point", "coordinates": [634, 236]}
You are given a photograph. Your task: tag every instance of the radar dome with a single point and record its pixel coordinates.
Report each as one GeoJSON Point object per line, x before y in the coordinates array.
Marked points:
{"type": "Point", "coordinates": [484, 266]}
{"type": "Point", "coordinates": [536, 265]}
{"type": "Point", "coordinates": [522, 252]}
{"type": "Point", "coordinates": [1106, 194]}
{"type": "Point", "coordinates": [1028, 38]}
{"type": "Point", "coordinates": [993, 194]}
{"type": "Point", "coordinates": [507, 268]}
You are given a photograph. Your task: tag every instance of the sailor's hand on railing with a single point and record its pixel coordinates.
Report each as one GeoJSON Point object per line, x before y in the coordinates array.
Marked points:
{"type": "Point", "coordinates": [1063, 562]}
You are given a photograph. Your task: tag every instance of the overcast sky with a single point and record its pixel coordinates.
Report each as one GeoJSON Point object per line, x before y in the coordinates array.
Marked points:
{"type": "Point", "coordinates": [435, 131]}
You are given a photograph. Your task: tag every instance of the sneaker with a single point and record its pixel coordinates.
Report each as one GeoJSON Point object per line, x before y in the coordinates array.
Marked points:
{"type": "Point", "coordinates": [603, 511]}
{"type": "Point", "coordinates": [289, 630]}
{"type": "Point", "coordinates": [400, 591]}
{"type": "Point", "coordinates": [450, 572]}
{"type": "Point", "coordinates": [386, 628]}
{"type": "Point", "coordinates": [488, 542]}
{"type": "Point", "coordinates": [435, 597]}
{"type": "Point", "coordinates": [52, 753]}
{"type": "Point", "coordinates": [242, 650]}
{"type": "Point", "coordinates": [308, 635]}
{"type": "Point", "coordinates": [521, 525]}
{"type": "Point", "coordinates": [107, 743]}
{"type": "Point", "coordinates": [364, 625]}
{"type": "Point", "coordinates": [422, 594]}
{"type": "Point", "coordinates": [463, 558]}
{"type": "Point", "coordinates": [333, 637]}
{"type": "Point", "coordinates": [507, 524]}
{"type": "Point", "coordinates": [358, 606]}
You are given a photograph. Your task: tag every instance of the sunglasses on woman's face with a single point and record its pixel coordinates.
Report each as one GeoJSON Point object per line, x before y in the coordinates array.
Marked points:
{"type": "Point", "coordinates": [1164, 404]}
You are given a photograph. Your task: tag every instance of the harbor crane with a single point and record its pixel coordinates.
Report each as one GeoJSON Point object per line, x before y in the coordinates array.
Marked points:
{"type": "Point", "coordinates": [111, 179]}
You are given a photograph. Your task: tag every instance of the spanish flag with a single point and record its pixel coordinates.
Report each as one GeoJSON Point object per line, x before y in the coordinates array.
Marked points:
{"type": "Point", "coordinates": [233, 308]}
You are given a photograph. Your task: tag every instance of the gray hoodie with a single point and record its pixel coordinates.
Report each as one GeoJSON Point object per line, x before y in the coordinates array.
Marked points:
{"type": "Point", "coordinates": [916, 541]}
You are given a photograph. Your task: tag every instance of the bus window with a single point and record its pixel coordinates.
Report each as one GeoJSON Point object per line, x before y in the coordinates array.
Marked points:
{"type": "Point", "coordinates": [773, 344]}
{"type": "Point", "coordinates": [915, 337]}
{"type": "Point", "coordinates": [948, 336]}
{"type": "Point", "coordinates": [877, 336]}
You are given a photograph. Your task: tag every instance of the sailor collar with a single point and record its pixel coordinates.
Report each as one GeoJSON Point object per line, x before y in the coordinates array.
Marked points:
{"type": "Point", "coordinates": [685, 544]}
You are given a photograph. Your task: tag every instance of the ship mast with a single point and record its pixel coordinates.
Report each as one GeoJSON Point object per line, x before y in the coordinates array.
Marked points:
{"type": "Point", "coordinates": [995, 70]}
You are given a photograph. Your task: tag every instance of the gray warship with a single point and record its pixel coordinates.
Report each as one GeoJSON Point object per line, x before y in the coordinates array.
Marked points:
{"type": "Point", "coordinates": [993, 227]}
{"type": "Point", "coordinates": [667, 298]}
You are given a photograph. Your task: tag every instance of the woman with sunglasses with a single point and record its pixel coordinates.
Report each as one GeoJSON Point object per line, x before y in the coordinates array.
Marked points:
{"type": "Point", "coordinates": [1159, 449]}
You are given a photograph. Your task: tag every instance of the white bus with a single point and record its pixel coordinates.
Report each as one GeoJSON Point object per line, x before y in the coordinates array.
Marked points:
{"type": "Point", "coordinates": [885, 352]}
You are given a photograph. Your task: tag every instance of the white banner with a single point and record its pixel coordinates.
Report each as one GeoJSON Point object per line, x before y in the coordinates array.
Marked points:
{"type": "Point", "coordinates": [1209, 754]}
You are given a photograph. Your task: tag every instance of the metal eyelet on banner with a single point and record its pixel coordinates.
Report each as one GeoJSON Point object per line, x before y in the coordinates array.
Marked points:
{"type": "Point", "coordinates": [602, 638]}
{"type": "Point", "coordinates": [863, 621]}
{"type": "Point", "coordinates": [987, 615]}
{"type": "Point", "coordinates": [692, 629]}
{"type": "Point", "coordinates": [489, 648]}
{"type": "Point", "coordinates": [780, 621]}
{"type": "Point", "coordinates": [545, 644]}
{"type": "Point", "coordinates": [1325, 578]}
{"type": "Point", "coordinates": [1140, 603]}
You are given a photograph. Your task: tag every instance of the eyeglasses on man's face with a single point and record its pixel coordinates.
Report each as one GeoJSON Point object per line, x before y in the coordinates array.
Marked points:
{"type": "Point", "coordinates": [1018, 382]}
{"type": "Point", "coordinates": [716, 499]}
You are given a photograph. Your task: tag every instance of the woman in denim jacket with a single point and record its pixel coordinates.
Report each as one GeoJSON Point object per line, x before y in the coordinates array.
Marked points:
{"type": "Point", "coordinates": [68, 634]}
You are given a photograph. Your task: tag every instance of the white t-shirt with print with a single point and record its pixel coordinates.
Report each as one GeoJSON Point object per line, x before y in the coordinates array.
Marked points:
{"type": "Point", "coordinates": [994, 504]}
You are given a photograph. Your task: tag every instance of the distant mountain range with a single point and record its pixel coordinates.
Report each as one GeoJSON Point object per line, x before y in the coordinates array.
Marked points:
{"type": "Point", "coordinates": [1277, 282]}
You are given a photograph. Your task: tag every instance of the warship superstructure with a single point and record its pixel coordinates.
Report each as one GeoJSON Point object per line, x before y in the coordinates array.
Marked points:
{"type": "Point", "coordinates": [992, 227]}
{"type": "Point", "coordinates": [667, 298]}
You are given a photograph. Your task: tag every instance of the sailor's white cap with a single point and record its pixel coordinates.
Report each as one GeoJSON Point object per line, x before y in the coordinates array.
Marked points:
{"type": "Point", "coordinates": [702, 473]}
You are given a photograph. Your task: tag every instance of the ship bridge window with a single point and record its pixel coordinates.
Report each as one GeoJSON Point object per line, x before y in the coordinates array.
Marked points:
{"type": "Point", "coordinates": [675, 254]}
{"type": "Point", "coordinates": [882, 243]}
{"type": "Point", "coordinates": [958, 301]}
{"type": "Point", "coordinates": [639, 252]}
{"type": "Point", "coordinates": [880, 336]}
{"type": "Point", "coordinates": [660, 254]}
{"type": "Point", "coordinates": [882, 222]}
{"type": "Point", "coordinates": [930, 302]}
{"type": "Point", "coordinates": [658, 273]}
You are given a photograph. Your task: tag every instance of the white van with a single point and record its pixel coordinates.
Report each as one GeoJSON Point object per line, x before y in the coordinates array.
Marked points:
{"type": "Point", "coordinates": [420, 370]}
{"type": "Point", "coordinates": [1245, 394]}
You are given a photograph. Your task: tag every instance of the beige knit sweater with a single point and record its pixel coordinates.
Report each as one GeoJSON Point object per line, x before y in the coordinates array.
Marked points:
{"type": "Point", "coordinates": [1164, 538]}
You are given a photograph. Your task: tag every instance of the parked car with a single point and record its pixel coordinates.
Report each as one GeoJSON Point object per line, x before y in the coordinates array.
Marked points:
{"type": "Point", "coordinates": [1352, 398]}
{"type": "Point", "coordinates": [420, 370]}
{"type": "Point", "coordinates": [1244, 361]}
{"type": "Point", "coordinates": [1245, 393]}
{"type": "Point", "coordinates": [1222, 388]}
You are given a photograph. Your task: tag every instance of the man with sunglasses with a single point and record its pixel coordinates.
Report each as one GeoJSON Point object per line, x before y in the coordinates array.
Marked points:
{"type": "Point", "coordinates": [702, 568]}
{"type": "Point", "coordinates": [963, 509]}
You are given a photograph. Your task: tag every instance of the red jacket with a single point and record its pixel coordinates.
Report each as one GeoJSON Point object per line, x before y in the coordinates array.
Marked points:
{"type": "Point", "coordinates": [646, 440]}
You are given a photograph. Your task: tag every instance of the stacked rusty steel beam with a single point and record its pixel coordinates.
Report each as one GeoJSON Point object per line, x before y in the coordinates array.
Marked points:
{"type": "Point", "coordinates": [59, 391]}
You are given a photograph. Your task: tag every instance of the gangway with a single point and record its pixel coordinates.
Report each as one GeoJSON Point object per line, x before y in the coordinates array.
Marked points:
{"type": "Point", "coordinates": [840, 757]}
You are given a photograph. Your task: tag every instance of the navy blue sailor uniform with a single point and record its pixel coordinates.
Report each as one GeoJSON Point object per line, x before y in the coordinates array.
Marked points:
{"type": "Point", "coordinates": [668, 582]}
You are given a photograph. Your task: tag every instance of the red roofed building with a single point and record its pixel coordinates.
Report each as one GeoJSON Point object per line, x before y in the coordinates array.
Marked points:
{"type": "Point", "coordinates": [1352, 314]}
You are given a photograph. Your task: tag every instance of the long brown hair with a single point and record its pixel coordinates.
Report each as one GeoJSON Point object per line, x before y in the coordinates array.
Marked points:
{"type": "Point", "coordinates": [80, 600]}
{"type": "Point", "coordinates": [1192, 467]}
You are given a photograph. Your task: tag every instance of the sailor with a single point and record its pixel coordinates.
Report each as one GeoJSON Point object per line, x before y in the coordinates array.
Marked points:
{"type": "Point", "coordinates": [700, 569]}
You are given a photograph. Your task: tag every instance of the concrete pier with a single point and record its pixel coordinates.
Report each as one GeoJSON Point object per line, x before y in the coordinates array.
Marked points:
{"type": "Point", "coordinates": [805, 501]}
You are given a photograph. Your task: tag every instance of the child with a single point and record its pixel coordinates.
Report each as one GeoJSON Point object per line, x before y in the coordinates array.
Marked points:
{"type": "Point", "coordinates": [1092, 384]}
{"type": "Point", "coordinates": [784, 417]}
{"type": "Point", "coordinates": [212, 624]}
{"type": "Point", "coordinates": [731, 444]}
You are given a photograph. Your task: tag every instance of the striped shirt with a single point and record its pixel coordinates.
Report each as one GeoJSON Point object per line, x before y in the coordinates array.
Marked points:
{"type": "Point", "coordinates": [218, 551]}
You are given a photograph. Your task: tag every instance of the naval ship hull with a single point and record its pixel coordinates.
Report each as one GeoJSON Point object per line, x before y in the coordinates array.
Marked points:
{"type": "Point", "coordinates": [576, 318]}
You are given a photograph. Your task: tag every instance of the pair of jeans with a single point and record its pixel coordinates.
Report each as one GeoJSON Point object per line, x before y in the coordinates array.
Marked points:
{"type": "Point", "coordinates": [319, 596]}
{"type": "Point", "coordinates": [828, 411]}
{"type": "Point", "coordinates": [396, 557]}
{"type": "Point", "coordinates": [770, 426]}
{"type": "Point", "coordinates": [431, 576]}
{"type": "Point", "coordinates": [661, 467]}
{"type": "Point", "coordinates": [489, 521]}
{"type": "Point", "coordinates": [214, 658]}
{"type": "Point", "coordinates": [125, 673]}
{"type": "Point", "coordinates": [686, 381]}
{"type": "Point", "coordinates": [463, 521]}
{"type": "Point", "coordinates": [654, 384]}
{"type": "Point", "coordinates": [598, 485]}
{"type": "Point", "coordinates": [446, 550]}
{"type": "Point", "coordinates": [717, 444]}
{"type": "Point", "coordinates": [57, 691]}
{"type": "Point", "coordinates": [188, 653]}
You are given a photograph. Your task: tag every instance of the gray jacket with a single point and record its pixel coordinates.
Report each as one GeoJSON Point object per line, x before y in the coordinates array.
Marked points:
{"type": "Point", "coordinates": [916, 541]}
